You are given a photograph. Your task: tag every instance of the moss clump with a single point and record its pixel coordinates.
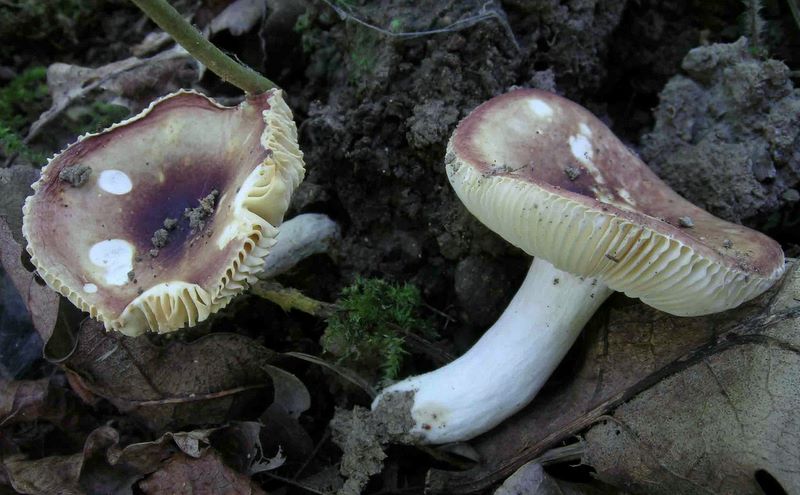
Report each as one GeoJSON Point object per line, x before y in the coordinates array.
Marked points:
{"type": "Point", "coordinates": [21, 102]}
{"type": "Point", "coordinates": [369, 330]}
{"type": "Point", "coordinates": [94, 117]}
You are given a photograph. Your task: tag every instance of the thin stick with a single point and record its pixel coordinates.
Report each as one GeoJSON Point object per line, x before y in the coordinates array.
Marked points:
{"type": "Point", "coordinates": [168, 19]}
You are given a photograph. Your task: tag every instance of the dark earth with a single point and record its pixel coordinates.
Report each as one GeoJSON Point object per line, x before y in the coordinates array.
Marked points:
{"type": "Point", "coordinates": [703, 93]}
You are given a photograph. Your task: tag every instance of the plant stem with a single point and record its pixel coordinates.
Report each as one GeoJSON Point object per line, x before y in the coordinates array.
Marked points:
{"type": "Point", "coordinates": [289, 299]}
{"type": "Point", "coordinates": [168, 19]}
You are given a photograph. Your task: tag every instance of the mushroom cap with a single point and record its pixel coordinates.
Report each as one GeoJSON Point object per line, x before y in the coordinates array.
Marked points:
{"type": "Point", "coordinates": [91, 241]}
{"type": "Point", "coordinates": [552, 179]}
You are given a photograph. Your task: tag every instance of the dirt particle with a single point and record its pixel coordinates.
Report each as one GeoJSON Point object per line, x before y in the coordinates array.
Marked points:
{"type": "Point", "coordinates": [573, 172]}
{"type": "Point", "coordinates": [727, 243]}
{"type": "Point", "coordinates": [75, 175]}
{"type": "Point", "coordinates": [197, 216]}
{"type": "Point", "coordinates": [556, 281]}
{"type": "Point", "coordinates": [153, 253]}
{"type": "Point", "coordinates": [160, 238]}
{"type": "Point", "coordinates": [686, 222]}
{"type": "Point", "coordinates": [362, 435]}
{"type": "Point", "coordinates": [131, 276]}
{"type": "Point", "coordinates": [170, 223]}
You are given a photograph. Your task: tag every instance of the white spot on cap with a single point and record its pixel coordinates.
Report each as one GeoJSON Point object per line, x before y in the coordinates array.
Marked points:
{"type": "Point", "coordinates": [89, 288]}
{"type": "Point", "coordinates": [540, 108]}
{"type": "Point", "coordinates": [115, 182]}
{"type": "Point", "coordinates": [115, 256]}
{"type": "Point", "coordinates": [585, 129]}
{"type": "Point", "coordinates": [581, 149]}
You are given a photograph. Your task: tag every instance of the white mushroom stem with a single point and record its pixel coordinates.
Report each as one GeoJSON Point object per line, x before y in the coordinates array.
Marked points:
{"type": "Point", "coordinates": [299, 238]}
{"type": "Point", "coordinates": [506, 368]}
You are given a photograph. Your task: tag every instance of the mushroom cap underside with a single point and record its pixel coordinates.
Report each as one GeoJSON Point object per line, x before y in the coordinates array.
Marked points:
{"type": "Point", "coordinates": [212, 182]}
{"type": "Point", "coordinates": [552, 179]}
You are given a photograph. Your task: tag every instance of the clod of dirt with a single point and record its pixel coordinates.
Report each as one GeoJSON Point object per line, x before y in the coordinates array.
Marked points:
{"type": "Point", "coordinates": [430, 123]}
{"type": "Point", "coordinates": [160, 238]}
{"type": "Point", "coordinates": [170, 223]}
{"type": "Point", "coordinates": [75, 175]}
{"type": "Point", "coordinates": [572, 172]}
{"type": "Point", "coordinates": [727, 133]}
{"type": "Point", "coordinates": [362, 434]}
{"type": "Point", "coordinates": [197, 216]}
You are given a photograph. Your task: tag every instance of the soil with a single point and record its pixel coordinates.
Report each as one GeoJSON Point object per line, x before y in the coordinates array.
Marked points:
{"type": "Point", "coordinates": [76, 175]}
{"type": "Point", "coordinates": [716, 116]}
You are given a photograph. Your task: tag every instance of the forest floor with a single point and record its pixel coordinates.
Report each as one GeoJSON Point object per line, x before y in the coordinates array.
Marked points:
{"type": "Point", "coordinates": [704, 92]}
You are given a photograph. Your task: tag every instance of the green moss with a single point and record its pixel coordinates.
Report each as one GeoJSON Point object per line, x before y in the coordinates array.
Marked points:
{"type": "Point", "coordinates": [24, 98]}
{"type": "Point", "coordinates": [369, 330]}
{"type": "Point", "coordinates": [95, 116]}
{"type": "Point", "coordinates": [21, 102]}
{"type": "Point", "coordinates": [363, 53]}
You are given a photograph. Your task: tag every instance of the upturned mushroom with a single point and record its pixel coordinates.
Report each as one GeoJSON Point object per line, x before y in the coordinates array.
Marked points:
{"type": "Point", "coordinates": [552, 179]}
{"type": "Point", "coordinates": [157, 222]}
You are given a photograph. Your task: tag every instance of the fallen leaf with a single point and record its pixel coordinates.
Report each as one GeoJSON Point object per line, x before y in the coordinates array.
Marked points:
{"type": "Point", "coordinates": [42, 303]}
{"type": "Point", "coordinates": [103, 466]}
{"type": "Point", "coordinates": [627, 349]}
{"type": "Point", "coordinates": [31, 400]}
{"type": "Point", "coordinates": [208, 474]}
{"type": "Point", "coordinates": [724, 414]}
{"type": "Point", "coordinates": [239, 17]}
{"type": "Point", "coordinates": [57, 474]}
{"type": "Point", "coordinates": [240, 445]}
{"type": "Point", "coordinates": [68, 83]}
{"type": "Point", "coordinates": [531, 479]}
{"type": "Point", "coordinates": [214, 379]}
{"type": "Point", "coordinates": [15, 186]}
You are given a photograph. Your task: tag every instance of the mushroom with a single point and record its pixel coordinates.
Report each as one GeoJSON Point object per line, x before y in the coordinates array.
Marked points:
{"type": "Point", "coordinates": [553, 180]}
{"type": "Point", "coordinates": [179, 209]}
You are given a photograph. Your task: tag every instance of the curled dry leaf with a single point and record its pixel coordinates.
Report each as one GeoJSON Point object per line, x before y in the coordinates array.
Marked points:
{"type": "Point", "coordinates": [58, 474]}
{"type": "Point", "coordinates": [103, 466]}
{"type": "Point", "coordinates": [132, 79]}
{"type": "Point", "coordinates": [239, 17]}
{"type": "Point", "coordinates": [42, 303]}
{"type": "Point", "coordinates": [629, 349]}
{"type": "Point", "coordinates": [206, 474]}
{"type": "Point", "coordinates": [211, 380]}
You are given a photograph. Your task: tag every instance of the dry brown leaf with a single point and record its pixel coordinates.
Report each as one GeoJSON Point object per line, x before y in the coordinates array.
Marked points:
{"type": "Point", "coordinates": [239, 17]}
{"type": "Point", "coordinates": [30, 400]}
{"type": "Point", "coordinates": [57, 474]}
{"type": "Point", "coordinates": [729, 411]}
{"type": "Point", "coordinates": [626, 349]}
{"type": "Point", "coordinates": [190, 476]}
{"type": "Point", "coordinates": [103, 466]}
{"type": "Point", "coordinates": [209, 381]}
{"type": "Point", "coordinates": [531, 479]}
{"type": "Point", "coordinates": [15, 186]}
{"type": "Point", "coordinates": [42, 303]}
{"type": "Point", "coordinates": [126, 78]}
